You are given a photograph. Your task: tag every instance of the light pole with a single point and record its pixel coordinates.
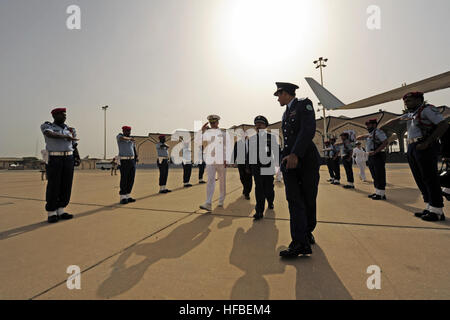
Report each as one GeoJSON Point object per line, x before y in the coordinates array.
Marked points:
{"type": "Point", "coordinates": [320, 63]}
{"type": "Point", "coordinates": [104, 154]}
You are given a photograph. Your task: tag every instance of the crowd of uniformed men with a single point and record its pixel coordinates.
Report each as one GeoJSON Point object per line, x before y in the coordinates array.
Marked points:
{"type": "Point", "coordinates": [259, 156]}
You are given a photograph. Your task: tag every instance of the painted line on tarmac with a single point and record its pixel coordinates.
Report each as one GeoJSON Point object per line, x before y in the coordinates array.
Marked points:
{"type": "Point", "coordinates": [111, 256]}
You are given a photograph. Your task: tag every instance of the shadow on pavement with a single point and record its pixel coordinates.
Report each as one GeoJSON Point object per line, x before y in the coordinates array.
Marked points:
{"type": "Point", "coordinates": [315, 278]}
{"type": "Point", "coordinates": [177, 243]}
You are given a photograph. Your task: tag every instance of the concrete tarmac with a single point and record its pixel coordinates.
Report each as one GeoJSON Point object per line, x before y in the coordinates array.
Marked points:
{"type": "Point", "coordinates": [165, 247]}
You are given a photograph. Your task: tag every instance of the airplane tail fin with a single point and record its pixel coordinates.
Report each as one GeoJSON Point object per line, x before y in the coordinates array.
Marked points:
{"type": "Point", "coordinates": [328, 100]}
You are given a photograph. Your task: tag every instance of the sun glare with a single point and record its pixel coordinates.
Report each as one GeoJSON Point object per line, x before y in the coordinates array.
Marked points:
{"type": "Point", "coordinates": [262, 31]}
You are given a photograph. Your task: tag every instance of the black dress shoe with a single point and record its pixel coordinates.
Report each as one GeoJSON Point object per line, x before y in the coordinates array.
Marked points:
{"type": "Point", "coordinates": [201, 182]}
{"type": "Point", "coordinates": [247, 197]}
{"type": "Point", "coordinates": [124, 201]}
{"type": "Point", "coordinates": [65, 216]}
{"type": "Point", "coordinates": [294, 251]}
{"type": "Point", "coordinates": [349, 187]}
{"type": "Point", "coordinates": [131, 200]}
{"type": "Point", "coordinates": [372, 195]}
{"type": "Point", "coordinates": [421, 214]}
{"type": "Point", "coordinates": [311, 238]}
{"type": "Point", "coordinates": [258, 216]}
{"type": "Point", "coordinates": [53, 219]}
{"type": "Point", "coordinates": [431, 216]}
{"type": "Point", "coordinates": [162, 191]}
{"type": "Point", "coordinates": [188, 185]}
{"type": "Point", "coordinates": [271, 206]}
{"type": "Point", "coordinates": [378, 197]}
{"type": "Point", "coordinates": [336, 183]}
{"type": "Point", "coordinates": [167, 190]}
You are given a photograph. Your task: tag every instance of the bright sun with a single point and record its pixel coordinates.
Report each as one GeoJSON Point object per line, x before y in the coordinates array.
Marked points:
{"type": "Point", "coordinates": [262, 31]}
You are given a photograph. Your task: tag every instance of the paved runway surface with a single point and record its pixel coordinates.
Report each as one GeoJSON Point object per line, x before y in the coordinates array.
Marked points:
{"type": "Point", "coordinates": [165, 247]}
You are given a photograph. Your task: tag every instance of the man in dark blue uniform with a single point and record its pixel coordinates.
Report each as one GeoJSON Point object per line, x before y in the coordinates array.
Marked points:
{"type": "Point", "coordinates": [300, 166]}
{"type": "Point", "coordinates": [128, 158]}
{"type": "Point", "coordinates": [61, 144]}
{"type": "Point", "coordinates": [240, 158]}
{"type": "Point", "coordinates": [263, 157]}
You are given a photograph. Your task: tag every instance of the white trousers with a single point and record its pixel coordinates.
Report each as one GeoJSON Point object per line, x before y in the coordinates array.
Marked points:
{"type": "Point", "coordinates": [211, 170]}
{"type": "Point", "coordinates": [362, 169]}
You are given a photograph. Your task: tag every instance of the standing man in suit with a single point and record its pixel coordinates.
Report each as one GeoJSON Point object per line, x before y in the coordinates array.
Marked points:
{"type": "Point", "coordinates": [300, 165]}
{"type": "Point", "coordinates": [262, 161]}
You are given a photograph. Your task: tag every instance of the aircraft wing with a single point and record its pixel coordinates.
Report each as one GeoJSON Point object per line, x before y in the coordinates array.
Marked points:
{"type": "Point", "coordinates": [329, 101]}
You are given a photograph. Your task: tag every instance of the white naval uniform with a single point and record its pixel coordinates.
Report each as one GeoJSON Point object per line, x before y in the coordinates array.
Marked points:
{"type": "Point", "coordinates": [360, 157]}
{"type": "Point", "coordinates": [216, 166]}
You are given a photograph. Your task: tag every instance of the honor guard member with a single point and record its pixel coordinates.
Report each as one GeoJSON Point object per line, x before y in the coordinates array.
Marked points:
{"type": "Point", "coordinates": [261, 145]}
{"type": "Point", "coordinates": [347, 159]}
{"type": "Point", "coordinates": [187, 164]}
{"type": "Point", "coordinates": [128, 159]}
{"type": "Point", "coordinates": [163, 163]}
{"type": "Point", "coordinates": [61, 144]}
{"type": "Point", "coordinates": [240, 157]}
{"type": "Point", "coordinates": [425, 126]}
{"type": "Point", "coordinates": [336, 161]}
{"type": "Point", "coordinates": [375, 144]}
{"type": "Point", "coordinates": [214, 166]}
{"type": "Point", "coordinates": [300, 166]}
{"type": "Point", "coordinates": [328, 154]}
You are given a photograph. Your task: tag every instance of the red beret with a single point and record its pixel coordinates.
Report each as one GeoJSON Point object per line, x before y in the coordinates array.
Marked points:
{"type": "Point", "coordinates": [58, 110]}
{"type": "Point", "coordinates": [126, 128]}
{"type": "Point", "coordinates": [374, 121]}
{"type": "Point", "coordinates": [413, 94]}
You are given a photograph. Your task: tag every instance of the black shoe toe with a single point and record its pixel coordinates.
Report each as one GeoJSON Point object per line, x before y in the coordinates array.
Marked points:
{"type": "Point", "coordinates": [53, 219]}
{"type": "Point", "coordinates": [421, 214]}
{"type": "Point", "coordinates": [65, 216]}
{"type": "Point", "coordinates": [131, 200]}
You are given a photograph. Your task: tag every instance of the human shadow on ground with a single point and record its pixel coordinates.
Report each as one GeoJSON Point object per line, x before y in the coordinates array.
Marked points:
{"type": "Point", "coordinates": [315, 278]}
{"type": "Point", "coordinates": [176, 244]}
{"type": "Point", "coordinates": [255, 252]}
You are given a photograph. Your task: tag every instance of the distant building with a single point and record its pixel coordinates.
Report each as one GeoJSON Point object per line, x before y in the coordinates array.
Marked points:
{"type": "Point", "coordinates": [336, 125]}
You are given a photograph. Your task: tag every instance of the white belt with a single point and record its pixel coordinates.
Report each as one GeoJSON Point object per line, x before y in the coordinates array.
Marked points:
{"type": "Point", "coordinates": [162, 158]}
{"type": "Point", "coordinates": [65, 153]}
{"type": "Point", "coordinates": [126, 158]}
{"type": "Point", "coordinates": [413, 140]}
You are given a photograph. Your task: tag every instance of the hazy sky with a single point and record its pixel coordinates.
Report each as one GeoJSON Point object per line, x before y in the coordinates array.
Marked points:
{"type": "Point", "coordinates": [162, 64]}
